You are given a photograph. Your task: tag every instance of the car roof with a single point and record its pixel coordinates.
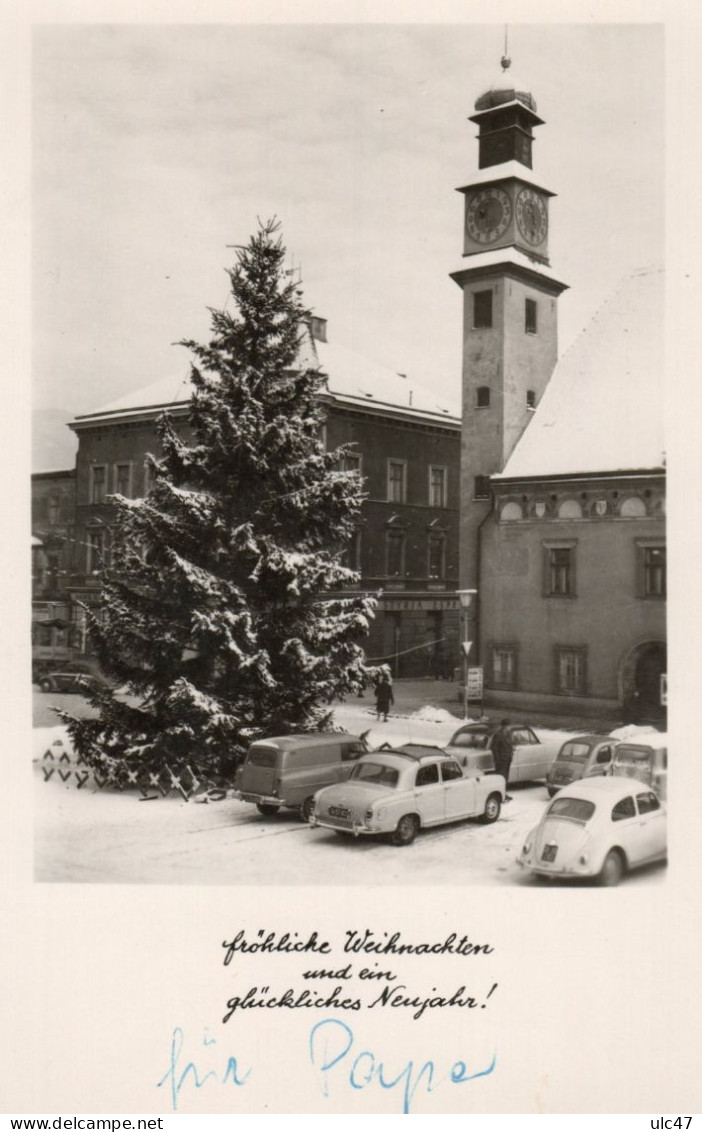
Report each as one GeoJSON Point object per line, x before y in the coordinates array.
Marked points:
{"type": "Point", "coordinates": [591, 737]}
{"type": "Point", "coordinates": [603, 786]}
{"type": "Point", "coordinates": [656, 740]}
{"type": "Point", "coordinates": [313, 739]}
{"type": "Point", "coordinates": [414, 752]}
{"type": "Point", "coordinates": [487, 725]}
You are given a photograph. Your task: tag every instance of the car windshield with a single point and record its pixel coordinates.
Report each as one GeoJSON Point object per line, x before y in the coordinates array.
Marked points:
{"type": "Point", "coordinates": [375, 772]}
{"type": "Point", "coordinates": [577, 809]}
{"type": "Point", "coordinates": [576, 751]}
{"type": "Point", "coordinates": [476, 739]}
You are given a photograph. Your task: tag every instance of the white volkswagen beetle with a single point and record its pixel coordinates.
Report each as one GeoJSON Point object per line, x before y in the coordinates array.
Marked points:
{"type": "Point", "coordinates": [402, 790]}
{"type": "Point", "coordinates": [597, 828]}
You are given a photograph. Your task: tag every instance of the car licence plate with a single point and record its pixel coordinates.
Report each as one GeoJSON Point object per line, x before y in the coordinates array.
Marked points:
{"type": "Point", "coordinates": [338, 812]}
{"type": "Point", "coordinates": [549, 853]}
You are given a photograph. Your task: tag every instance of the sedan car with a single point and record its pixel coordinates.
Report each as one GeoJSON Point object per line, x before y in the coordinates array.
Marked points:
{"type": "Point", "coordinates": [77, 682]}
{"type": "Point", "coordinates": [532, 758]}
{"type": "Point", "coordinates": [403, 790]}
{"type": "Point", "coordinates": [597, 828]}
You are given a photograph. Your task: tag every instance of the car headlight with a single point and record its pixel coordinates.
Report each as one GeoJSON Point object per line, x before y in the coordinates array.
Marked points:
{"type": "Point", "coordinates": [368, 816]}
{"type": "Point", "coordinates": [526, 848]}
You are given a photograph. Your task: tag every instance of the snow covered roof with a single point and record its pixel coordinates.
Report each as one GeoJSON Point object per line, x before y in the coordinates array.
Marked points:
{"type": "Point", "coordinates": [602, 410]}
{"type": "Point", "coordinates": [497, 257]}
{"type": "Point", "coordinates": [351, 379]}
{"type": "Point", "coordinates": [505, 172]}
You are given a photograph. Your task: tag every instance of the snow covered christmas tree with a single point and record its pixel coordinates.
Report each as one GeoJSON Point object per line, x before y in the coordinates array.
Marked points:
{"type": "Point", "coordinates": [218, 608]}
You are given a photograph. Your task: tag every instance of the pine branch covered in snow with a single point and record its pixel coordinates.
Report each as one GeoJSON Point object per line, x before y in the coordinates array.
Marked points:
{"type": "Point", "coordinates": [221, 605]}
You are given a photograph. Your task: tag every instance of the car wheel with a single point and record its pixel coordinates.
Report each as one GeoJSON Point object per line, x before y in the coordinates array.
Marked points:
{"type": "Point", "coordinates": [612, 870]}
{"type": "Point", "coordinates": [406, 831]}
{"type": "Point", "coordinates": [492, 809]}
{"type": "Point", "coordinates": [45, 685]}
{"type": "Point", "coordinates": [267, 810]}
{"type": "Point", "coordinates": [307, 808]}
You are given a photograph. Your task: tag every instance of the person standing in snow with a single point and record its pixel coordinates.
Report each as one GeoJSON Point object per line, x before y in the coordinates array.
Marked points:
{"type": "Point", "coordinates": [384, 697]}
{"type": "Point", "coordinates": [503, 751]}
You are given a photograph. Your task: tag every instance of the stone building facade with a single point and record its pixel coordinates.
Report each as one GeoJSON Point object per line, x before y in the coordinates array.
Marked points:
{"type": "Point", "coordinates": [407, 449]}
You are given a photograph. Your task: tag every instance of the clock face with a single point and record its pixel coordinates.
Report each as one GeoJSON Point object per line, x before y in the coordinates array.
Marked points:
{"type": "Point", "coordinates": [532, 218]}
{"type": "Point", "coordinates": [488, 215]}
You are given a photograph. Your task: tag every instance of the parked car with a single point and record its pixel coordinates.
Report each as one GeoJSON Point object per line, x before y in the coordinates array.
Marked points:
{"type": "Point", "coordinates": [532, 759]}
{"type": "Point", "coordinates": [583, 756]}
{"type": "Point", "coordinates": [76, 682]}
{"type": "Point", "coordinates": [645, 759]}
{"type": "Point", "coordinates": [287, 770]}
{"type": "Point", "coordinates": [403, 790]}
{"type": "Point", "coordinates": [598, 828]}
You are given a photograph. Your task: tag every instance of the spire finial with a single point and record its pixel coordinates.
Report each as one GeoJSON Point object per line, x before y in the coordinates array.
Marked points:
{"type": "Point", "coordinates": [505, 61]}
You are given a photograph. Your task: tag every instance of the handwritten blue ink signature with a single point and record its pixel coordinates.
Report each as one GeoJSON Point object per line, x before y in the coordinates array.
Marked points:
{"type": "Point", "coordinates": [331, 1044]}
{"type": "Point", "coordinates": [178, 1075]}
{"type": "Point", "coordinates": [331, 1048]}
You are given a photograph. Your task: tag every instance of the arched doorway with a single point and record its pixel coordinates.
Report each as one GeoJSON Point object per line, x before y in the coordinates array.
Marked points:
{"type": "Point", "coordinates": [642, 683]}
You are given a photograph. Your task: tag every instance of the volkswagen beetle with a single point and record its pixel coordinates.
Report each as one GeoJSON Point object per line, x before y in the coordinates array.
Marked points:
{"type": "Point", "coordinates": [598, 828]}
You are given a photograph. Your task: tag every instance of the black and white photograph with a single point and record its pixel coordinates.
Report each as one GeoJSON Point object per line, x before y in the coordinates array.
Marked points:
{"type": "Point", "coordinates": [358, 355]}
{"type": "Point", "coordinates": [348, 494]}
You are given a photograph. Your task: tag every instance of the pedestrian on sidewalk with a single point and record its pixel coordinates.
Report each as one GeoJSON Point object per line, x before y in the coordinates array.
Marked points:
{"type": "Point", "coordinates": [384, 697]}
{"type": "Point", "coordinates": [503, 752]}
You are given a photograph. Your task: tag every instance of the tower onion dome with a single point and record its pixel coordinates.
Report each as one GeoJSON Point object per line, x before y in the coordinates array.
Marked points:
{"type": "Point", "coordinates": [506, 88]}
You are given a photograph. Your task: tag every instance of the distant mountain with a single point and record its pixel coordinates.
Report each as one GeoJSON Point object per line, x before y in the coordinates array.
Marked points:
{"type": "Point", "coordinates": [53, 444]}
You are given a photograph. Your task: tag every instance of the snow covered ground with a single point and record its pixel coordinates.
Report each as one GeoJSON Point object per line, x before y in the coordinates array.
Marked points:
{"type": "Point", "coordinates": [103, 836]}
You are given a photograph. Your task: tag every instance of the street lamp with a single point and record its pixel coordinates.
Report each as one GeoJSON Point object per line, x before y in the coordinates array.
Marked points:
{"type": "Point", "coordinates": [466, 598]}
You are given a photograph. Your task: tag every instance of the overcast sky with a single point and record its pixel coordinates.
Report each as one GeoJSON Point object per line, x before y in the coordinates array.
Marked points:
{"type": "Point", "coordinates": [156, 147]}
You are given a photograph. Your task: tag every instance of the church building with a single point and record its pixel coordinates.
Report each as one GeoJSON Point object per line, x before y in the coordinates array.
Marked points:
{"type": "Point", "coordinates": [562, 527]}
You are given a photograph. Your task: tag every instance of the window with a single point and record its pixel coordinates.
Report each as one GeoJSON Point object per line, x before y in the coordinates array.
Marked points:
{"type": "Point", "coordinates": [482, 397]}
{"type": "Point", "coordinates": [123, 479]}
{"type": "Point", "coordinates": [350, 462]}
{"type": "Point", "coordinates": [571, 671]}
{"type": "Point", "coordinates": [559, 569]}
{"type": "Point", "coordinates": [53, 509]}
{"type": "Point", "coordinates": [450, 770]}
{"type": "Point", "coordinates": [397, 481]}
{"type": "Point", "coordinates": [652, 581]}
{"type": "Point", "coordinates": [530, 316]}
{"type": "Point", "coordinates": [427, 775]}
{"type": "Point", "coordinates": [481, 489]}
{"type": "Point", "coordinates": [396, 553]}
{"type": "Point", "coordinates": [647, 803]}
{"type": "Point", "coordinates": [482, 310]}
{"type": "Point", "coordinates": [624, 810]}
{"type": "Point", "coordinates": [437, 486]}
{"type": "Point", "coordinates": [437, 556]}
{"type": "Point", "coordinates": [95, 542]}
{"type": "Point", "coordinates": [351, 555]}
{"type": "Point", "coordinates": [98, 483]}
{"type": "Point", "coordinates": [503, 662]}
{"type": "Point", "coordinates": [531, 399]}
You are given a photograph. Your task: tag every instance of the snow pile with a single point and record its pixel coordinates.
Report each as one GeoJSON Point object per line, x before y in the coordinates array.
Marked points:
{"type": "Point", "coordinates": [631, 731]}
{"type": "Point", "coordinates": [431, 714]}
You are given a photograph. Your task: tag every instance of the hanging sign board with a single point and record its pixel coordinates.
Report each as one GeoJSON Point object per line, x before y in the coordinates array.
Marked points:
{"type": "Point", "coordinates": [474, 683]}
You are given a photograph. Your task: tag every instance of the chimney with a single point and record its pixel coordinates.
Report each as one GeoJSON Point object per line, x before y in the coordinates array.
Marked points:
{"type": "Point", "coordinates": [318, 328]}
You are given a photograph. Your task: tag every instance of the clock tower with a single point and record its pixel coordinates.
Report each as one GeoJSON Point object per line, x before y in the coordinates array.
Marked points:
{"type": "Point", "coordinates": [510, 297]}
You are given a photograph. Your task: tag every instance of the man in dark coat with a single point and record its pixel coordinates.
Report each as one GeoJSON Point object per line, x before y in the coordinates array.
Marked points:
{"type": "Point", "coordinates": [503, 750]}
{"type": "Point", "coordinates": [384, 697]}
